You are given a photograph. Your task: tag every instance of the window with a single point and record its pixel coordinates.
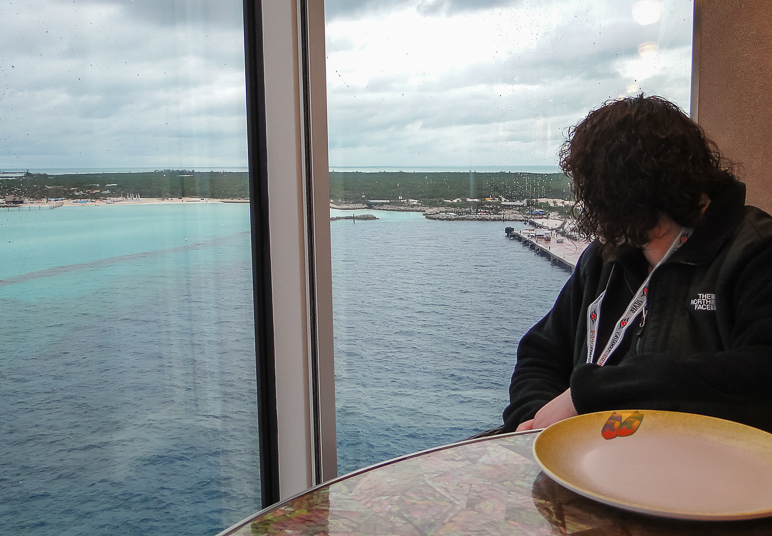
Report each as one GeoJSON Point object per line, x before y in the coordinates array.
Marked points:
{"type": "Point", "coordinates": [450, 114]}
{"type": "Point", "coordinates": [127, 377]}
{"type": "Point", "coordinates": [128, 351]}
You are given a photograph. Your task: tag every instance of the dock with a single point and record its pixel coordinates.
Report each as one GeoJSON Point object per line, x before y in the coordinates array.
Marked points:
{"type": "Point", "coordinates": [559, 249]}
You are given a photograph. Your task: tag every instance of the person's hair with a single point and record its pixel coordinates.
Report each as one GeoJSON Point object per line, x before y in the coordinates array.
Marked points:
{"type": "Point", "coordinates": [635, 160]}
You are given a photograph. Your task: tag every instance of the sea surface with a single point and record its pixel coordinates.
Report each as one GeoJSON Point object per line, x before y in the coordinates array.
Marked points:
{"type": "Point", "coordinates": [127, 388]}
{"type": "Point", "coordinates": [127, 371]}
{"type": "Point", "coordinates": [427, 318]}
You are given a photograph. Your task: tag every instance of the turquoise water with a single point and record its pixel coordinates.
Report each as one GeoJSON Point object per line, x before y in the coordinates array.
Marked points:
{"type": "Point", "coordinates": [38, 240]}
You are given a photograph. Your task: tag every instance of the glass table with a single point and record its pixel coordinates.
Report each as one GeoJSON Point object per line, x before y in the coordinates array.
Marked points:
{"type": "Point", "coordinates": [488, 486]}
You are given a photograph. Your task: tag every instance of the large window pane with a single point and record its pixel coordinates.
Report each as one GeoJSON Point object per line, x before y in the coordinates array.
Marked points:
{"type": "Point", "coordinates": [452, 112]}
{"type": "Point", "coordinates": [127, 371]}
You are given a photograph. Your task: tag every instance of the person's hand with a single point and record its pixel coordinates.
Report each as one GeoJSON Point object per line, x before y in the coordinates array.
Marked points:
{"type": "Point", "coordinates": [525, 426]}
{"type": "Point", "coordinates": [559, 408]}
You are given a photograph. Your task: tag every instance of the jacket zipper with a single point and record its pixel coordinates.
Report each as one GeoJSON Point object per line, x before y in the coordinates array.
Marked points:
{"type": "Point", "coordinates": [637, 345]}
{"type": "Point", "coordinates": [639, 334]}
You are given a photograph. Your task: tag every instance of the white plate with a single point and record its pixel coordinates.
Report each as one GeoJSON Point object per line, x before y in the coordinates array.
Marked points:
{"type": "Point", "coordinates": [669, 464]}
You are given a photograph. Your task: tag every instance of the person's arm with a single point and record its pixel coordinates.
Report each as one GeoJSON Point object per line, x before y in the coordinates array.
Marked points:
{"type": "Point", "coordinates": [734, 384]}
{"type": "Point", "coordinates": [542, 371]}
{"type": "Point", "coordinates": [545, 355]}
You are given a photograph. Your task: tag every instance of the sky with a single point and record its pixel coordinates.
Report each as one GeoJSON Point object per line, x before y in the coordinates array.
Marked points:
{"type": "Point", "coordinates": [472, 83]}
{"type": "Point", "coordinates": [120, 84]}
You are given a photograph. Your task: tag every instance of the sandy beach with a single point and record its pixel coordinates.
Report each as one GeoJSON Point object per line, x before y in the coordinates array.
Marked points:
{"type": "Point", "coordinates": [116, 202]}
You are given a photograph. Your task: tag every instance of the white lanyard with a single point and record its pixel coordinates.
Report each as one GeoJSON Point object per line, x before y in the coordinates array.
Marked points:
{"type": "Point", "coordinates": [636, 305]}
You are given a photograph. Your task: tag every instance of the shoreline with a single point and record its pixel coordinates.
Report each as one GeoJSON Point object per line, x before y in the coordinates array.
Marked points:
{"type": "Point", "coordinates": [431, 213]}
{"type": "Point", "coordinates": [435, 213]}
{"type": "Point", "coordinates": [391, 208]}
{"type": "Point", "coordinates": [109, 202]}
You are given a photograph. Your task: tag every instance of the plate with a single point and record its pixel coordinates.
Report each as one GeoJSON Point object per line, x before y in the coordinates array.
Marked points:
{"type": "Point", "coordinates": [663, 463]}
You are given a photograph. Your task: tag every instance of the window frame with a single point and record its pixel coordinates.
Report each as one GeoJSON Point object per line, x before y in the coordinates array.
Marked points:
{"type": "Point", "coordinates": [261, 255]}
{"type": "Point", "coordinates": [287, 125]}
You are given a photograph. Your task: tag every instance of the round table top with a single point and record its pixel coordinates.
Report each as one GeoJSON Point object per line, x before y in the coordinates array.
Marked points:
{"type": "Point", "coordinates": [489, 486]}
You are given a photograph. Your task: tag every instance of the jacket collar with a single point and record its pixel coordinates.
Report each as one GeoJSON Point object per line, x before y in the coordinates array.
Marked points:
{"type": "Point", "coordinates": [721, 218]}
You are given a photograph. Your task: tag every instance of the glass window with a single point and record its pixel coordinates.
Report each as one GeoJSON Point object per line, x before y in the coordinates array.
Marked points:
{"type": "Point", "coordinates": [445, 118]}
{"type": "Point", "coordinates": [127, 376]}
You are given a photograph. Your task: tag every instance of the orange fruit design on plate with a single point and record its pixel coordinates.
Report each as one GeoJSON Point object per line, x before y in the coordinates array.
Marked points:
{"type": "Point", "coordinates": [619, 426]}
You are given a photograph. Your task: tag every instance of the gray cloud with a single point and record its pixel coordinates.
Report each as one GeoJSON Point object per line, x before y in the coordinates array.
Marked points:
{"type": "Point", "coordinates": [115, 84]}
{"type": "Point", "coordinates": [353, 9]}
{"type": "Point", "coordinates": [509, 109]}
{"type": "Point", "coordinates": [164, 13]}
{"type": "Point", "coordinates": [451, 7]}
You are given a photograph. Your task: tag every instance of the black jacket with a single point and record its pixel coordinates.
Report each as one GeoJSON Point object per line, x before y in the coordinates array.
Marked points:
{"type": "Point", "coordinates": [706, 346]}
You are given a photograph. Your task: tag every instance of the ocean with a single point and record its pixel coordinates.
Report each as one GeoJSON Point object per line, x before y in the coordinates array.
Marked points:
{"type": "Point", "coordinates": [127, 376]}
{"type": "Point", "coordinates": [427, 318]}
{"type": "Point", "coordinates": [127, 382]}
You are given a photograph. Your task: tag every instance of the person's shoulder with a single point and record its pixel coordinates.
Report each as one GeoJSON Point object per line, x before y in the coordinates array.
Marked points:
{"type": "Point", "coordinates": [592, 251]}
{"type": "Point", "coordinates": [592, 257]}
{"type": "Point", "coordinates": [753, 234]}
{"type": "Point", "coordinates": [756, 224]}
{"type": "Point", "coordinates": [754, 213]}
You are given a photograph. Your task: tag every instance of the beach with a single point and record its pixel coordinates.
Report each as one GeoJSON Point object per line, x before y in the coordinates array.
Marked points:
{"type": "Point", "coordinates": [39, 205]}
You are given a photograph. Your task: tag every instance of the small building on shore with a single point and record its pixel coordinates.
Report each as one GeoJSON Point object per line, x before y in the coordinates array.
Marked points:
{"type": "Point", "coordinates": [6, 175]}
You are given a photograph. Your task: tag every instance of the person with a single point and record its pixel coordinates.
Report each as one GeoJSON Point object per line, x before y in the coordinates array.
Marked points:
{"type": "Point", "coordinates": [670, 307]}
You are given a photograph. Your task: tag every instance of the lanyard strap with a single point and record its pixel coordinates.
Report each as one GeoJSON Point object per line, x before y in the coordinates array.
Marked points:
{"type": "Point", "coordinates": [636, 305]}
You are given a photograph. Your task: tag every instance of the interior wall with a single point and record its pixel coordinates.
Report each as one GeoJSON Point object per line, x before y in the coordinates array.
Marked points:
{"type": "Point", "coordinates": [734, 83]}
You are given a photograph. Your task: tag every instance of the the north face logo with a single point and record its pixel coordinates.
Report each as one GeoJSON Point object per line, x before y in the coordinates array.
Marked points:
{"type": "Point", "coordinates": [704, 302]}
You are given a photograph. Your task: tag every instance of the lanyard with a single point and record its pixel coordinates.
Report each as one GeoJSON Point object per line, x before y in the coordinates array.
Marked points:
{"type": "Point", "coordinates": [636, 305]}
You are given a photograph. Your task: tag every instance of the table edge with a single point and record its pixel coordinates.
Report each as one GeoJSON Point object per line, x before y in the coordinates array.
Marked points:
{"type": "Point", "coordinates": [268, 509]}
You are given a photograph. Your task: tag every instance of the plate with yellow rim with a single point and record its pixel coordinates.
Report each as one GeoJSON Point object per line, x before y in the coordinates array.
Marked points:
{"type": "Point", "coordinates": [662, 463]}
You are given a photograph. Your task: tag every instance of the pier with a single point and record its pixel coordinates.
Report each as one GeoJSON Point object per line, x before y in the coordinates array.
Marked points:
{"type": "Point", "coordinates": [559, 249]}
{"type": "Point", "coordinates": [36, 206]}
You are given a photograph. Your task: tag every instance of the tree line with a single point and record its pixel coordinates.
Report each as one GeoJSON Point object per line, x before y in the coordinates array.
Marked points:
{"type": "Point", "coordinates": [161, 183]}
{"type": "Point", "coordinates": [431, 188]}
{"type": "Point", "coordinates": [436, 187]}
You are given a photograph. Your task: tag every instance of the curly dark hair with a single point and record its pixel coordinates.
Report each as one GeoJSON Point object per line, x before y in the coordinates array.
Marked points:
{"type": "Point", "coordinates": [634, 160]}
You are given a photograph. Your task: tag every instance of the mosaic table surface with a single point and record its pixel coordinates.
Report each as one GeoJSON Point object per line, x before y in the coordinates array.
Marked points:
{"type": "Point", "coordinates": [491, 486]}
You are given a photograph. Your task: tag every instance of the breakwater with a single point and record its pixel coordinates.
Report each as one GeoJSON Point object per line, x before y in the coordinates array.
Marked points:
{"type": "Point", "coordinates": [19, 208]}
{"type": "Point", "coordinates": [434, 213]}
{"type": "Point", "coordinates": [355, 217]}
{"type": "Point", "coordinates": [452, 216]}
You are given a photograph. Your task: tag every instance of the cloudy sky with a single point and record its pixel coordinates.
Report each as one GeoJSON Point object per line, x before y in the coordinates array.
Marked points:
{"type": "Point", "coordinates": [473, 83]}
{"type": "Point", "coordinates": [121, 84]}
{"type": "Point", "coordinates": [411, 83]}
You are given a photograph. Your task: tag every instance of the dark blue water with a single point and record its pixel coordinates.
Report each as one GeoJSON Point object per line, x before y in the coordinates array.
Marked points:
{"type": "Point", "coordinates": [427, 316]}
